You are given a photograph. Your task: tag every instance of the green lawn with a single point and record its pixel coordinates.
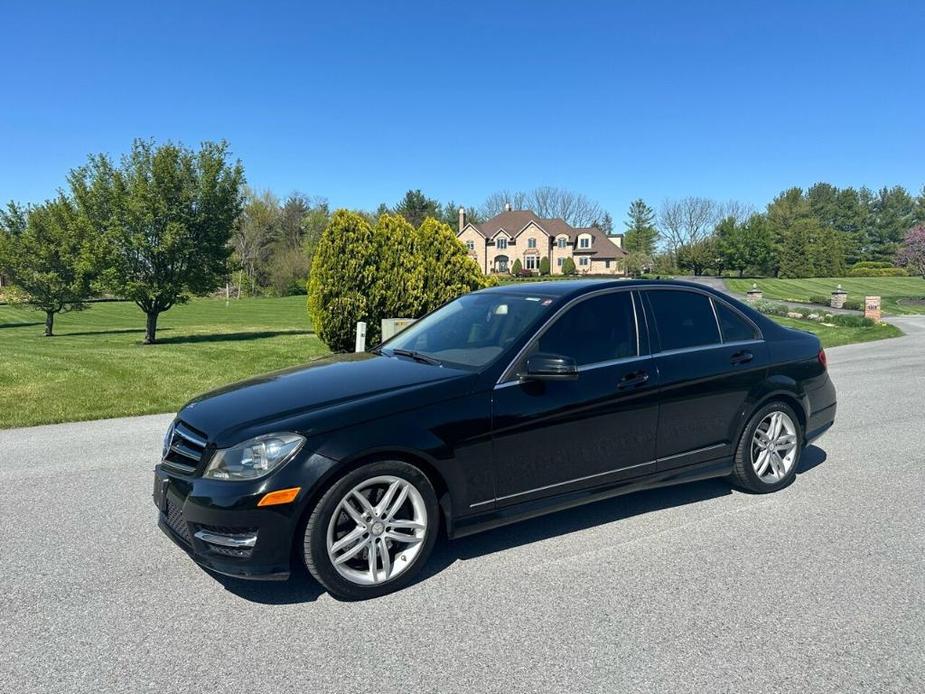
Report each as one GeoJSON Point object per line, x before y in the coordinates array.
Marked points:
{"type": "Point", "coordinates": [96, 366]}
{"type": "Point", "coordinates": [833, 336]}
{"type": "Point", "coordinates": [891, 290]}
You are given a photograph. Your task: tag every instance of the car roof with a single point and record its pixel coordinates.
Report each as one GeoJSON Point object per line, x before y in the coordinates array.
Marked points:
{"type": "Point", "coordinates": [570, 288]}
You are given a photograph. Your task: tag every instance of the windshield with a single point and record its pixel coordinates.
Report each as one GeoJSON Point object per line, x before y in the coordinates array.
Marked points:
{"type": "Point", "coordinates": [471, 331]}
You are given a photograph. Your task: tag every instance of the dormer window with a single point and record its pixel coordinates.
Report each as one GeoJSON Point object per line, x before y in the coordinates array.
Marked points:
{"type": "Point", "coordinates": [562, 242]}
{"type": "Point", "coordinates": [584, 241]}
{"type": "Point", "coordinates": [501, 243]}
{"type": "Point", "coordinates": [531, 243]}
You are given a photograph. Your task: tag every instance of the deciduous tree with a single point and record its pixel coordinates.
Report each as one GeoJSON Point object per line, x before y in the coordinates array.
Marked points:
{"type": "Point", "coordinates": [687, 221]}
{"type": "Point", "coordinates": [912, 252]}
{"type": "Point", "coordinates": [48, 254]}
{"type": "Point", "coordinates": [166, 215]}
{"type": "Point", "coordinates": [547, 202]}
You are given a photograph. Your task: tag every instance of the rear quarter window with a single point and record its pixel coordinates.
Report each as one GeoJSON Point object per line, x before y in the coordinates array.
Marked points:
{"type": "Point", "coordinates": [734, 327]}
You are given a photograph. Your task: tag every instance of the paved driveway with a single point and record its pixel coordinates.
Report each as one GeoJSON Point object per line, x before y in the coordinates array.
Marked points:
{"type": "Point", "coordinates": [698, 588]}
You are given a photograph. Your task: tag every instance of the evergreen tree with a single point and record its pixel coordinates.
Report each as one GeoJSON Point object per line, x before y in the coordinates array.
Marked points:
{"type": "Point", "coordinates": [416, 207]}
{"type": "Point", "coordinates": [893, 212]}
{"type": "Point", "coordinates": [364, 272]}
{"type": "Point", "coordinates": [641, 232]}
{"type": "Point", "coordinates": [568, 267]}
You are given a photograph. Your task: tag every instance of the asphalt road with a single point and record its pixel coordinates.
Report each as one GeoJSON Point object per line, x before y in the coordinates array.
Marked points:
{"type": "Point", "coordinates": [820, 587]}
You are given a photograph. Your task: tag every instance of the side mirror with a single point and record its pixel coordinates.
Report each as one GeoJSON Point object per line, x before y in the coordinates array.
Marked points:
{"type": "Point", "coordinates": [551, 367]}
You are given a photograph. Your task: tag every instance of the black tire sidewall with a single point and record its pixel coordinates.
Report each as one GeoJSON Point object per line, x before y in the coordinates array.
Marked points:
{"type": "Point", "coordinates": [314, 545]}
{"type": "Point", "coordinates": [743, 454]}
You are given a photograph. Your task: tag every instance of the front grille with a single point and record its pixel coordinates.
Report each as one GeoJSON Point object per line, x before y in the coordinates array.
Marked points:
{"type": "Point", "coordinates": [174, 515]}
{"type": "Point", "coordinates": [227, 530]}
{"type": "Point", "coordinates": [186, 448]}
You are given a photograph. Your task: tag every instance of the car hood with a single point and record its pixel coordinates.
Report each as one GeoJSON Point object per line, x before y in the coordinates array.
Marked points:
{"type": "Point", "coordinates": [290, 397]}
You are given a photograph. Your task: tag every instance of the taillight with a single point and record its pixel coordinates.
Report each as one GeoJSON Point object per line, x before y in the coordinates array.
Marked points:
{"type": "Point", "coordinates": [823, 359]}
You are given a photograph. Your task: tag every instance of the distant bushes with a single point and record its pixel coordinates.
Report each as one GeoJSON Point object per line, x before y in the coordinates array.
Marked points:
{"type": "Point", "coordinates": [877, 272]}
{"type": "Point", "coordinates": [850, 304]}
{"type": "Point", "coordinates": [773, 308]}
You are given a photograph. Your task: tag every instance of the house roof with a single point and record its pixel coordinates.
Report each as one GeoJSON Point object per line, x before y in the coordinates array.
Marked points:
{"type": "Point", "coordinates": [514, 221]}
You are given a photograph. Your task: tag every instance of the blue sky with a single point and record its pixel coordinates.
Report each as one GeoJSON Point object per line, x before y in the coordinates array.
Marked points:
{"type": "Point", "coordinates": [360, 101]}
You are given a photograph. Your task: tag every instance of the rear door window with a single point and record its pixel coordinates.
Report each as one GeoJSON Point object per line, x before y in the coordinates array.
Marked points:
{"type": "Point", "coordinates": [683, 319]}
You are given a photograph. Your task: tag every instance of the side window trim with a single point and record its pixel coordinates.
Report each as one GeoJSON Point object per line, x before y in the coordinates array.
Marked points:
{"type": "Point", "coordinates": [508, 375]}
{"type": "Point", "coordinates": [737, 312]}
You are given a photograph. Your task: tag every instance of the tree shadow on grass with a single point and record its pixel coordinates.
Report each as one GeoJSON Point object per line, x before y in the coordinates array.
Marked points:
{"type": "Point", "coordinates": [114, 331]}
{"type": "Point", "coordinates": [300, 587]}
{"type": "Point", "coordinates": [229, 337]}
{"type": "Point", "coordinates": [20, 325]}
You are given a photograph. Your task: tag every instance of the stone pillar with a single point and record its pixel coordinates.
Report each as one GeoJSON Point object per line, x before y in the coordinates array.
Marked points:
{"type": "Point", "coordinates": [754, 293]}
{"type": "Point", "coordinates": [838, 298]}
{"type": "Point", "coordinates": [872, 308]}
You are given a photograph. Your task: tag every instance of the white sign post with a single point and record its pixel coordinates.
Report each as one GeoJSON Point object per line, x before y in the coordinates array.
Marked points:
{"type": "Point", "coordinates": [361, 337]}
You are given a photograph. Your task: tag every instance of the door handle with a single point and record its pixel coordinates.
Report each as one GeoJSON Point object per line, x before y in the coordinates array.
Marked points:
{"type": "Point", "coordinates": [742, 357]}
{"type": "Point", "coordinates": [633, 379]}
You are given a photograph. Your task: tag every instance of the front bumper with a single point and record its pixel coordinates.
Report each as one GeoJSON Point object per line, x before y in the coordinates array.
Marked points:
{"type": "Point", "coordinates": [221, 527]}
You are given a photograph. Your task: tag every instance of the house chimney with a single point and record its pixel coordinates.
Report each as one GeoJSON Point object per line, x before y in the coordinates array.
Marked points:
{"type": "Point", "coordinates": [462, 218]}
{"type": "Point", "coordinates": [507, 207]}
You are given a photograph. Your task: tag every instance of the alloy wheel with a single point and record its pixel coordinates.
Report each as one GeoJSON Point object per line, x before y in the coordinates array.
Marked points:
{"type": "Point", "coordinates": [774, 447]}
{"type": "Point", "coordinates": [377, 530]}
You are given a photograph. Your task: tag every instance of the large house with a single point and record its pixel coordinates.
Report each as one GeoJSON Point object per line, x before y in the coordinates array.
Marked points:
{"type": "Point", "coordinates": [513, 234]}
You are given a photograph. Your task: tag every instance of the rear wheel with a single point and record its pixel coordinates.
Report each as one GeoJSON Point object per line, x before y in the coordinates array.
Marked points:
{"type": "Point", "coordinates": [372, 531]}
{"type": "Point", "coordinates": [769, 451]}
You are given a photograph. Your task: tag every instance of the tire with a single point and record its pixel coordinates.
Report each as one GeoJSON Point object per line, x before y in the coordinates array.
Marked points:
{"type": "Point", "coordinates": [756, 468]}
{"type": "Point", "coordinates": [370, 508]}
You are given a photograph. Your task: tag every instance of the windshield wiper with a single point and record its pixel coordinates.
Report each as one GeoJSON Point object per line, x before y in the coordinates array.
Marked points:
{"type": "Point", "coordinates": [417, 356]}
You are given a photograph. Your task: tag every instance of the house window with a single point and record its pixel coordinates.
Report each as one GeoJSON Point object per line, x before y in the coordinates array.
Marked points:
{"type": "Point", "coordinates": [562, 243]}
{"type": "Point", "coordinates": [607, 264]}
{"type": "Point", "coordinates": [559, 262]}
{"type": "Point", "coordinates": [501, 244]}
{"type": "Point", "coordinates": [583, 260]}
{"type": "Point", "coordinates": [531, 243]}
{"type": "Point", "coordinates": [531, 262]}
{"type": "Point", "coordinates": [584, 242]}
{"type": "Point", "coordinates": [470, 245]}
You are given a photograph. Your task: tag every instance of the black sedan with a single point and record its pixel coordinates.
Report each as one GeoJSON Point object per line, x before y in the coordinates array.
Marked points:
{"type": "Point", "coordinates": [504, 404]}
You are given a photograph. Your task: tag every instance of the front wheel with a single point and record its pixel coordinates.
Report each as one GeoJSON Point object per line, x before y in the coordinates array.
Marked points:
{"type": "Point", "coordinates": [769, 451]}
{"type": "Point", "coordinates": [372, 531]}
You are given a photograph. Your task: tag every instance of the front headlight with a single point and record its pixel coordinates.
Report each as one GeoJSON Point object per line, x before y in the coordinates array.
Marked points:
{"type": "Point", "coordinates": [253, 458]}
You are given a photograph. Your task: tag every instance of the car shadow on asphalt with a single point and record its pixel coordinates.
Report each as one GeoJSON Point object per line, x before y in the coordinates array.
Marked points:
{"type": "Point", "coordinates": [300, 587]}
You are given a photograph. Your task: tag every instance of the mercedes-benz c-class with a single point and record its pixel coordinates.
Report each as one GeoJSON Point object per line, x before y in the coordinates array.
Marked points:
{"type": "Point", "coordinates": [504, 404]}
